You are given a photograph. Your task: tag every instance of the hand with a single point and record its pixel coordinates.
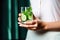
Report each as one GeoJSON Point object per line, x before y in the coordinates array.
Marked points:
{"type": "Point", "coordinates": [35, 24]}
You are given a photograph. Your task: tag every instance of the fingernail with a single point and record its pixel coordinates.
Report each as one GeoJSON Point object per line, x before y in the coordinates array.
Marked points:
{"type": "Point", "coordinates": [20, 25]}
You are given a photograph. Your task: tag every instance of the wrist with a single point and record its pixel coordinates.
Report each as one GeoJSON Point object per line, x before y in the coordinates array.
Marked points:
{"type": "Point", "coordinates": [46, 26]}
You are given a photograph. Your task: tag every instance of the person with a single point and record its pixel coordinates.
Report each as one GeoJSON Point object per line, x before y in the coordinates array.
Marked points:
{"type": "Point", "coordinates": [46, 20]}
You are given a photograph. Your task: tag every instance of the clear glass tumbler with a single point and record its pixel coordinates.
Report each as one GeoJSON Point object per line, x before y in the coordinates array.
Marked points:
{"type": "Point", "coordinates": [26, 14]}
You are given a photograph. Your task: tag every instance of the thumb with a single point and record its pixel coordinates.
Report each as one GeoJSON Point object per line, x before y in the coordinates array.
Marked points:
{"type": "Point", "coordinates": [34, 17]}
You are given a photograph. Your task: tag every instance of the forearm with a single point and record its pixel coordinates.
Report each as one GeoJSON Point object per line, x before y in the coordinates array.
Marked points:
{"type": "Point", "coordinates": [53, 26]}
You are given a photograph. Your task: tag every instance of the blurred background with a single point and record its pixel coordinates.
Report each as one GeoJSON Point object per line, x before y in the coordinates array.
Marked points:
{"type": "Point", "coordinates": [9, 29]}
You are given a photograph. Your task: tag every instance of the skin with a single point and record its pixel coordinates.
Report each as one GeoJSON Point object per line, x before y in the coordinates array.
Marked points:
{"type": "Point", "coordinates": [37, 24]}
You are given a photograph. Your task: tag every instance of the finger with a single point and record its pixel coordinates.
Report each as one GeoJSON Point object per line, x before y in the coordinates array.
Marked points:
{"type": "Point", "coordinates": [19, 19]}
{"type": "Point", "coordinates": [35, 25]}
{"type": "Point", "coordinates": [23, 25]}
{"type": "Point", "coordinates": [33, 28]}
{"type": "Point", "coordinates": [30, 28]}
{"type": "Point", "coordinates": [19, 23]}
{"type": "Point", "coordinates": [30, 22]}
{"type": "Point", "coordinates": [19, 14]}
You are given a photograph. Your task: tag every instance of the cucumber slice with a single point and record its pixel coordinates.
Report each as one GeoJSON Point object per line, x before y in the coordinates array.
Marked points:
{"type": "Point", "coordinates": [30, 17]}
{"type": "Point", "coordinates": [23, 17]}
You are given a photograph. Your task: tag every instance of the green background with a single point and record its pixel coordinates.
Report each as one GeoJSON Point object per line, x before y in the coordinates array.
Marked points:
{"type": "Point", "coordinates": [9, 26]}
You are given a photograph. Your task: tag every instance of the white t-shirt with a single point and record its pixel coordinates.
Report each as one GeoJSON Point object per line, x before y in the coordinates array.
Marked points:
{"type": "Point", "coordinates": [48, 11]}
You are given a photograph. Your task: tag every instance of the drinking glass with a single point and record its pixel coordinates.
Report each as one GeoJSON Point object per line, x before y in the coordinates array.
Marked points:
{"type": "Point", "coordinates": [26, 14]}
